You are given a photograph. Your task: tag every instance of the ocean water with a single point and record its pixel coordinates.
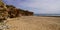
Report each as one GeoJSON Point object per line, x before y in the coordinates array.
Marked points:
{"type": "Point", "coordinates": [46, 14]}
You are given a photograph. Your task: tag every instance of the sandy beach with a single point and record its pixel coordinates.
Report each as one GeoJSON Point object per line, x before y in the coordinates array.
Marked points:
{"type": "Point", "coordinates": [34, 23]}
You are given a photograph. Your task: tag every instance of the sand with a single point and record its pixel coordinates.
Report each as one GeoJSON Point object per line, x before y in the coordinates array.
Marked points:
{"type": "Point", "coordinates": [34, 23]}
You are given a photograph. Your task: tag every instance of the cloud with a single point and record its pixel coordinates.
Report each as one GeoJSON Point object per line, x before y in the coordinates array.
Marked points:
{"type": "Point", "coordinates": [39, 6]}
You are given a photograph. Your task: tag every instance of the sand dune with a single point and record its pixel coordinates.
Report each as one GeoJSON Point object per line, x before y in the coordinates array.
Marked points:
{"type": "Point", "coordinates": [34, 23]}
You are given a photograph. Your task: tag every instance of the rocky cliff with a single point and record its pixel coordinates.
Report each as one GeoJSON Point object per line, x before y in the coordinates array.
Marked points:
{"type": "Point", "coordinates": [11, 11]}
{"type": "Point", "coordinates": [3, 11]}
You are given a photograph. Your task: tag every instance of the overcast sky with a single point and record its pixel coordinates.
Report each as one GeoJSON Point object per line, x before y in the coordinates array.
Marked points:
{"type": "Point", "coordinates": [37, 6]}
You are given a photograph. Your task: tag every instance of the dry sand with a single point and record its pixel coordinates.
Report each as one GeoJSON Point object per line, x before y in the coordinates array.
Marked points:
{"type": "Point", "coordinates": [34, 23]}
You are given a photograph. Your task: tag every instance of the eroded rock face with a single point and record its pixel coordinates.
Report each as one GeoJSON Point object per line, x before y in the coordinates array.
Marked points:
{"type": "Point", "coordinates": [11, 11]}
{"type": "Point", "coordinates": [3, 12]}
{"type": "Point", "coordinates": [14, 12]}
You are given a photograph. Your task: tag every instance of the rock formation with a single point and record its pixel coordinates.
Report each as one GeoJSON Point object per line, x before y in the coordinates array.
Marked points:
{"type": "Point", "coordinates": [11, 11]}
{"type": "Point", "coordinates": [3, 11]}
{"type": "Point", "coordinates": [15, 12]}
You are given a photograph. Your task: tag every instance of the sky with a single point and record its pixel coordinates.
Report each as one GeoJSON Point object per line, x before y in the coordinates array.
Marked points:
{"type": "Point", "coordinates": [37, 6]}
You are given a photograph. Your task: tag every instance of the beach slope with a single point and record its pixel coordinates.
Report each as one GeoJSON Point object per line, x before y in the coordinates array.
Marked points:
{"type": "Point", "coordinates": [34, 23]}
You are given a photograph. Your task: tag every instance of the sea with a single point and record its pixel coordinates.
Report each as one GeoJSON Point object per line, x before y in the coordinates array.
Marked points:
{"type": "Point", "coordinates": [46, 14]}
